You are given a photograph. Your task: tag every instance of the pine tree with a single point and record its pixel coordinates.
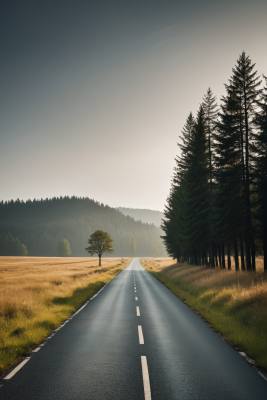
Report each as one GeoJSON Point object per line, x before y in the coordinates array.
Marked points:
{"type": "Point", "coordinates": [186, 225]}
{"type": "Point", "coordinates": [172, 224]}
{"type": "Point", "coordinates": [228, 202]}
{"type": "Point", "coordinates": [210, 108]}
{"type": "Point", "coordinates": [244, 89]}
{"type": "Point", "coordinates": [195, 189]}
{"type": "Point", "coordinates": [261, 173]}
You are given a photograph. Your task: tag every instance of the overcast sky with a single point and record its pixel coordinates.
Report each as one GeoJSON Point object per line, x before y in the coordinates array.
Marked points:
{"type": "Point", "coordinates": [94, 94]}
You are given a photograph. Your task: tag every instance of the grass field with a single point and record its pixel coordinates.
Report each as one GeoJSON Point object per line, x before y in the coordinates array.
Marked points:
{"type": "Point", "coordinates": [234, 303]}
{"type": "Point", "coordinates": [38, 293]}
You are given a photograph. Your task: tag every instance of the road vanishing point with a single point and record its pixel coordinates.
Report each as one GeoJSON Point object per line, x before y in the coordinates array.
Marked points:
{"type": "Point", "coordinates": [134, 340]}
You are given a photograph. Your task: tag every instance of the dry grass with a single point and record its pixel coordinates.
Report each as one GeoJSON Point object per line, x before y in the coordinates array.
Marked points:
{"type": "Point", "coordinates": [38, 293]}
{"type": "Point", "coordinates": [235, 303]}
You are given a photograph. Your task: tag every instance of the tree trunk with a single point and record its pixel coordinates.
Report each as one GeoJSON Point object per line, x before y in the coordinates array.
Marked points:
{"type": "Point", "coordinates": [219, 254]}
{"type": "Point", "coordinates": [242, 254]}
{"type": "Point", "coordinates": [223, 258]}
{"type": "Point", "coordinates": [228, 256]}
{"type": "Point", "coordinates": [265, 246]}
{"type": "Point", "coordinates": [215, 254]}
{"type": "Point", "coordinates": [211, 261]}
{"type": "Point", "coordinates": [247, 192]}
{"type": "Point", "coordinates": [248, 259]}
{"type": "Point", "coordinates": [253, 260]}
{"type": "Point", "coordinates": [100, 261]}
{"type": "Point", "coordinates": [236, 256]}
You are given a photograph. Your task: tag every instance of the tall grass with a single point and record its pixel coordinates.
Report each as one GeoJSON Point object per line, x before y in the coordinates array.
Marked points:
{"type": "Point", "coordinates": [37, 294]}
{"type": "Point", "coordinates": [235, 303]}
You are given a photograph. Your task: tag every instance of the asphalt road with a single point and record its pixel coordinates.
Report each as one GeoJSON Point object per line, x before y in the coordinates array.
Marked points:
{"type": "Point", "coordinates": [108, 351]}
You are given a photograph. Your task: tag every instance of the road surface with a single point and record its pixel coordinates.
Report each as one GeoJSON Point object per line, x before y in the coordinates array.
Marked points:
{"type": "Point", "coordinates": [135, 340]}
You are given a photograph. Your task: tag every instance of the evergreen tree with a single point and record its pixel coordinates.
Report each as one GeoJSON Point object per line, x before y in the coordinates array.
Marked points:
{"type": "Point", "coordinates": [186, 225]}
{"type": "Point", "coordinates": [210, 108]}
{"type": "Point", "coordinates": [63, 248]}
{"type": "Point", "coordinates": [244, 89]}
{"type": "Point", "coordinates": [228, 177]}
{"type": "Point", "coordinates": [261, 173]}
{"type": "Point", "coordinates": [195, 191]}
{"type": "Point", "coordinates": [171, 224]}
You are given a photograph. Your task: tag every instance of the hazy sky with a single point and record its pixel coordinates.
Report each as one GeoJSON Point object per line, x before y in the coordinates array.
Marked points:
{"type": "Point", "coordinates": [94, 94]}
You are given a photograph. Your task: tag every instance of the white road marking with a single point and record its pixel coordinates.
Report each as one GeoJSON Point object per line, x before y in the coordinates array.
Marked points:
{"type": "Point", "coordinates": [137, 311]}
{"type": "Point", "coordinates": [146, 382]}
{"type": "Point", "coordinates": [35, 350]}
{"type": "Point", "coordinates": [99, 291]}
{"type": "Point", "coordinates": [140, 333]}
{"type": "Point", "coordinates": [135, 291]}
{"type": "Point", "coordinates": [15, 370]}
{"type": "Point", "coordinates": [136, 298]}
{"type": "Point", "coordinates": [264, 377]}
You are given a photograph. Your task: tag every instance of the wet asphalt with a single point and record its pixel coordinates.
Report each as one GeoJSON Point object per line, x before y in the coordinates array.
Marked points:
{"type": "Point", "coordinates": [97, 354]}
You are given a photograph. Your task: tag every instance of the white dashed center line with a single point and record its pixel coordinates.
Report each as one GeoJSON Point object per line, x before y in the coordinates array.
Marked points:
{"type": "Point", "coordinates": [146, 382]}
{"type": "Point", "coordinates": [137, 311]}
{"type": "Point", "coordinates": [15, 370]}
{"type": "Point", "coordinates": [136, 298]}
{"type": "Point", "coordinates": [140, 333]}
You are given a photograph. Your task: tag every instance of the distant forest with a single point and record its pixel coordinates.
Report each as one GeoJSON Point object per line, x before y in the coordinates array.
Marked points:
{"type": "Point", "coordinates": [144, 215]}
{"type": "Point", "coordinates": [41, 224]}
{"type": "Point", "coordinates": [218, 200]}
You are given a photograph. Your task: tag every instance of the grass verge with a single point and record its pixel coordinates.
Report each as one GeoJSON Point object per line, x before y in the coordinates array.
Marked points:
{"type": "Point", "coordinates": [37, 294]}
{"type": "Point", "coordinates": [234, 303]}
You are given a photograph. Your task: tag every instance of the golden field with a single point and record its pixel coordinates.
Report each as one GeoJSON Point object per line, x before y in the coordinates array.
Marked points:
{"type": "Point", "coordinates": [38, 293]}
{"type": "Point", "coordinates": [234, 303]}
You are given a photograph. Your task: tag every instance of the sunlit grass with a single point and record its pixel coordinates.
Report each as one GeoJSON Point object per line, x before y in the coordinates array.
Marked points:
{"type": "Point", "coordinates": [235, 303]}
{"type": "Point", "coordinates": [37, 294]}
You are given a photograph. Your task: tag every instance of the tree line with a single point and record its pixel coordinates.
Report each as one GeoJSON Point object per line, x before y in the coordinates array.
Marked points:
{"type": "Point", "coordinates": [40, 225]}
{"type": "Point", "coordinates": [217, 205]}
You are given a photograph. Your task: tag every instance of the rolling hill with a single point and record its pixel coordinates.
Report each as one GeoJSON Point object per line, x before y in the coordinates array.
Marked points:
{"type": "Point", "coordinates": [41, 224]}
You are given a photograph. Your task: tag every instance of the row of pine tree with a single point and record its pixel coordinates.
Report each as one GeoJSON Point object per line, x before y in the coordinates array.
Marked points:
{"type": "Point", "coordinates": [217, 205]}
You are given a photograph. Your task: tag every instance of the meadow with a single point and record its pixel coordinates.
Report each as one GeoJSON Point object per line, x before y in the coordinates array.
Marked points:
{"type": "Point", "coordinates": [38, 293]}
{"type": "Point", "coordinates": [233, 303]}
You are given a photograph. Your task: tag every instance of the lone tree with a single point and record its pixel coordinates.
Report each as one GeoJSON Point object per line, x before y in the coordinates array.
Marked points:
{"type": "Point", "coordinates": [63, 248]}
{"type": "Point", "coordinates": [100, 242]}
